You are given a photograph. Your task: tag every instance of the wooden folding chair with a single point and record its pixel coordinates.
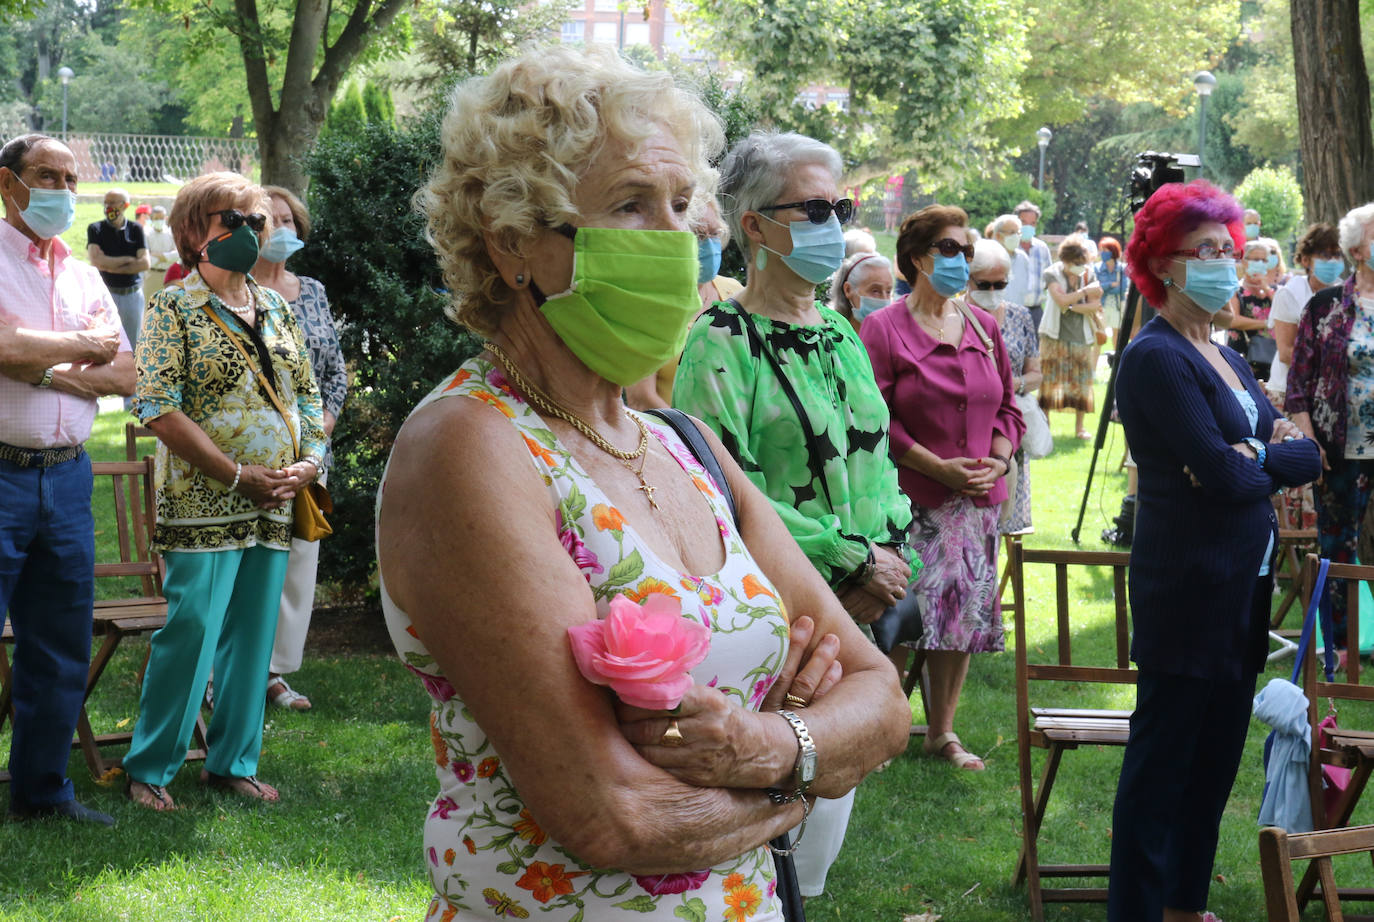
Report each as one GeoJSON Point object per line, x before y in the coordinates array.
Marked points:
{"type": "Point", "coordinates": [1346, 746]}
{"type": "Point", "coordinates": [1058, 729]}
{"type": "Point", "coordinates": [143, 611]}
{"type": "Point", "coordinates": [132, 433]}
{"type": "Point", "coordinates": [1295, 542]}
{"type": "Point", "coordinates": [1279, 849]}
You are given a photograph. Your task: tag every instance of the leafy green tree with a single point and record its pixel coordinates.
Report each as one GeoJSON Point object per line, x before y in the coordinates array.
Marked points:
{"type": "Point", "coordinates": [925, 77]}
{"type": "Point", "coordinates": [348, 115]}
{"type": "Point", "coordinates": [112, 91]}
{"type": "Point", "coordinates": [1276, 195]}
{"type": "Point", "coordinates": [377, 103]}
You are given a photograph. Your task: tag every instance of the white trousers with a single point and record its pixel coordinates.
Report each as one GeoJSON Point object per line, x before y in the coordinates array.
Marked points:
{"type": "Point", "coordinates": [297, 602]}
{"type": "Point", "coordinates": [819, 848]}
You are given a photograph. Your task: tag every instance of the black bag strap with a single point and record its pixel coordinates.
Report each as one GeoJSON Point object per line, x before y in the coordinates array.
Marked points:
{"type": "Point", "coordinates": [812, 443]}
{"type": "Point", "coordinates": [691, 436]}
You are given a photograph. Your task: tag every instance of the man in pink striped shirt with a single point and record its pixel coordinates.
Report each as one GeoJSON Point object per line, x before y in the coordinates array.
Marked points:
{"type": "Point", "coordinates": [61, 348]}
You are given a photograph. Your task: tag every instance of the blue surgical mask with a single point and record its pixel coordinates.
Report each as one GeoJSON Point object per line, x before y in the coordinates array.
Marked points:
{"type": "Point", "coordinates": [1252, 232]}
{"type": "Point", "coordinates": [1272, 261]}
{"type": "Point", "coordinates": [281, 245]}
{"type": "Point", "coordinates": [1256, 266]}
{"type": "Point", "coordinates": [1210, 283]}
{"type": "Point", "coordinates": [949, 275]}
{"type": "Point", "coordinates": [708, 259]}
{"type": "Point", "coordinates": [50, 211]}
{"type": "Point", "coordinates": [817, 249]}
{"type": "Point", "coordinates": [1328, 271]}
{"type": "Point", "coordinates": [868, 306]}
{"type": "Point", "coordinates": [1027, 231]}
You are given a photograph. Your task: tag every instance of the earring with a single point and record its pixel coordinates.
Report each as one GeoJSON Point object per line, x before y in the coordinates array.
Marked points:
{"type": "Point", "coordinates": [1168, 282]}
{"type": "Point", "coordinates": [520, 280]}
{"type": "Point", "coordinates": [760, 259]}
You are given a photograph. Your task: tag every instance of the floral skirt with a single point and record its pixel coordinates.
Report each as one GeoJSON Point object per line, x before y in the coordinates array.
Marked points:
{"type": "Point", "coordinates": [960, 608]}
{"type": "Point", "coordinates": [1068, 371]}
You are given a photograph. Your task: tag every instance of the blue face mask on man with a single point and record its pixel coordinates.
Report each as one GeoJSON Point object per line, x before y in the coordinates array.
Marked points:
{"type": "Point", "coordinates": [708, 259]}
{"type": "Point", "coordinates": [1328, 271]}
{"type": "Point", "coordinates": [1210, 283]}
{"type": "Point", "coordinates": [949, 276]}
{"type": "Point", "coordinates": [1027, 231]}
{"type": "Point", "coordinates": [817, 249]}
{"type": "Point", "coordinates": [1252, 232]}
{"type": "Point", "coordinates": [50, 211]}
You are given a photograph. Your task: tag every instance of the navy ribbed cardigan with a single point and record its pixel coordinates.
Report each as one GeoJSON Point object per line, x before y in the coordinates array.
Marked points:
{"type": "Point", "coordinates": [1197, 551]}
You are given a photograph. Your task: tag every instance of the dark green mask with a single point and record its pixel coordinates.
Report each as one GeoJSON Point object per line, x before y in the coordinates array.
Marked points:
{"type": "Point", "coordinates": [236, 251]}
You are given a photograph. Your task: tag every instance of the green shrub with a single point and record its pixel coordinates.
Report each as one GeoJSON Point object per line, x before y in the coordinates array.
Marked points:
{"type": "Point", "coordinates": [1273, 192]}
{"type": "Point", "coordinates": [986, 199]}
{"type": "Point", "coordinates": [368, 248]}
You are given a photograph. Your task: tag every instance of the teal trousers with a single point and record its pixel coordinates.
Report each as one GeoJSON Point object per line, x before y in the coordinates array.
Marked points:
{"type": "Point", "coordinates": [221, 613]}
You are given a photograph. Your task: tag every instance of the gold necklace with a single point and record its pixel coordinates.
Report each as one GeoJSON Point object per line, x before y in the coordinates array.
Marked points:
{"type": "Point", "coordinates": [542, 401]}
{"type": "Point", "coordinates": [940, 329]}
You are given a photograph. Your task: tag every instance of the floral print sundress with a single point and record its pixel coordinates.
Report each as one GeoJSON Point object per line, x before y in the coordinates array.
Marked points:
{"type": "Point", "coordinates": [487, 856]}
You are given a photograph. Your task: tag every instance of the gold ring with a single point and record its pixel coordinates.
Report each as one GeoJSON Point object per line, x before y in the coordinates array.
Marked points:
{"type": "Point", "coordinates": [795, 701]}
{"type": "Point", "coordinates": [672, 736]}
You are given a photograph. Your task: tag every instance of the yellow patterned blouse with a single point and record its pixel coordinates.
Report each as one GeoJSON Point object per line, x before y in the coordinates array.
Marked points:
{"type": "Point", "coordinates": [185, 363]}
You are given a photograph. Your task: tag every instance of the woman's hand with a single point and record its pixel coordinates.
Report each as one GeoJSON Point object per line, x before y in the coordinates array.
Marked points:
{"type": "Point", "coordinates": [891, 574]}
{"type": "Point", "coordinates": [971, 476]}
{"type": "Point", "coordinates": [266, 487]}
{"type": "Point", "coordinates": [304, 473]}
{"type": "Point", "coordinates": [808, 680]}
{"type": "Point", "coordinates": [1285, 428]}
{"type": "Point", "coordinates": [862, 606]}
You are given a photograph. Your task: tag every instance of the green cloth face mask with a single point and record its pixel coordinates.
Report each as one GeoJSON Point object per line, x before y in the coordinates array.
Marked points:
{"type": "Point", "coordinates": [632, 296]}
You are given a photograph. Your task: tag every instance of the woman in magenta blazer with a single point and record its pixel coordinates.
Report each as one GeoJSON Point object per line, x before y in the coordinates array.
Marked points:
{"type": "Point", "coordinates": [945, 375]}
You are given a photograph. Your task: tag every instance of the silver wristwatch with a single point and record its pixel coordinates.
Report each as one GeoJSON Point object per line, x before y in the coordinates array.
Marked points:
{"type": "Point", "coordinates": [46, 380]}
{"type": "Point", "coordinates": [804, 769]}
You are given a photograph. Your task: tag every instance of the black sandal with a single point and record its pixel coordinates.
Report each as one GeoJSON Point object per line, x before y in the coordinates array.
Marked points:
{"type": "Point", "coordinates": [164, 803]}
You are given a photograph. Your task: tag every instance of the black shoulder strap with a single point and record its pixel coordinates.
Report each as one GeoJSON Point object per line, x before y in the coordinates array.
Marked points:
{"type": "Point", "coordinates": [691, 436]}
{"type": "Point", "coordinates": [259, 346]}
{"type": "Point", "coordinates": [812, 443]}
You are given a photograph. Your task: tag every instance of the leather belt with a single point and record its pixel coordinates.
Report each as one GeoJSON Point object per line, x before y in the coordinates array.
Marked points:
{"type": "Point", "coordinates": [38, 457]}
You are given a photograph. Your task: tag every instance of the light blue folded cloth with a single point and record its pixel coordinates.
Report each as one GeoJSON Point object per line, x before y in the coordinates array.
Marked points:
{"type": "Point", "coordinates": [1286, 804]}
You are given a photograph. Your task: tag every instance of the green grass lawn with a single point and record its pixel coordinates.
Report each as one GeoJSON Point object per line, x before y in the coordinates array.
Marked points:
{"type": "Point", "coordinates": [356, 776]}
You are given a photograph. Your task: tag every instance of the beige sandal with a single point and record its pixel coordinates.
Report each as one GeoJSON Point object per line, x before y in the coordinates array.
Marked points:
{"type": "Point", "coordinates": [961, 757]}
{"type": "Point", "coordinates": [156, 798]}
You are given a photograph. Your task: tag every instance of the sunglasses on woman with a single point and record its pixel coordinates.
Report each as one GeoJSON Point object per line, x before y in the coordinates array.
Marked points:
{"type": "Point", "coordinates": [993, 286]}
{"type": "Point", "coordinates": [818, 209]}
{"type": "Point", "coordinates": [951, 247]}
{"type": "Point", "coordinates": [233, 219]}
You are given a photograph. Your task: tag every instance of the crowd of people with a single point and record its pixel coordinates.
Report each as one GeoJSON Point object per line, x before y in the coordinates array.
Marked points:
{"type": "Point", "coordinates": [835, 503]}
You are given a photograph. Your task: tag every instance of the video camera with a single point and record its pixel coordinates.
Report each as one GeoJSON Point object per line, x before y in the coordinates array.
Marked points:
{"type": "Point", "coordinates": [1153, 170]}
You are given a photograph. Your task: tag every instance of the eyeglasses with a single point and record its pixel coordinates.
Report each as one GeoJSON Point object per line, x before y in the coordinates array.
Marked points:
{"type": "Point", "coordinates": [951, 247]}
{"type": "Point", "coordinates": [1208, 251]}
{"type": "Point", "coordinates": [994, 286]}
{"type": "Point", "coordinates": [233, 219]}
{"type": "Point", "coordinates": [818, 209]}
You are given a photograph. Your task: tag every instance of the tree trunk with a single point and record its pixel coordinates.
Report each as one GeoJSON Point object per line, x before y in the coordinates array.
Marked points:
{"type": "Point", "coordinates": [1333, 107]}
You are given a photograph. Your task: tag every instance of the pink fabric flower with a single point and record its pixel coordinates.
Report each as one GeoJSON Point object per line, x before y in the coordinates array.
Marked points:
{"type": "Point", "coordinates": [662, 884]}
{"type": "Point", "coordinates": [582, 556]}
{"type": "Point", "coordinates": [464, 771]}
{"type": "Point", "coordinates": [443, 807]}
{"type": "Point", "coordinates": [439, 688]}
{"type": "Point", "coordinates": [644, 653]}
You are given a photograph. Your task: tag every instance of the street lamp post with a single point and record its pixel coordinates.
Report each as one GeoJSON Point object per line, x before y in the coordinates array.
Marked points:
{"type": "Point", "coordinates": [1204, 83]}
{"type": "Point", "coordinates": [66, 73]}
{"type": "Point", "coordinates": [1042, 138]}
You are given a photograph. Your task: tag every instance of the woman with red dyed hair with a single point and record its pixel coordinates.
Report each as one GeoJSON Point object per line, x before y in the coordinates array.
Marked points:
{"type": "Point", "coordinates": [1211, 450]}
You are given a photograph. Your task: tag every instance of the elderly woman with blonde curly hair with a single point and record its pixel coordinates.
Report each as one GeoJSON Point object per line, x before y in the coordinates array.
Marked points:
{"type": "Point", "coordinates": [523, 498]}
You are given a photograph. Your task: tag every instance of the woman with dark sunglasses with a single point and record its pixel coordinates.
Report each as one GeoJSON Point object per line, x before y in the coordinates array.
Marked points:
{"type": "Point", "coordinates": [1067, 343]}
{"type": "Point", "coordinates": [224, 381]}
{"type": "Point", "coordinates": [786, 384]}
{"type": "Point", "coordinates": [943, 369]}
{"type": "Point", "coordinates": [989, 281]}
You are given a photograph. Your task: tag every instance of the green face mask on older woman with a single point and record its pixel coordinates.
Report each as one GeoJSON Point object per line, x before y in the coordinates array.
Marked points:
{"type": "Point", "coordinates": [632, 296]}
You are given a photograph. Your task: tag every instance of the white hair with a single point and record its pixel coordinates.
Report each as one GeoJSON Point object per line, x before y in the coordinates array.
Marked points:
{"type": "Point", "coordinates": [758, 167]}
{"type": "Point", "coordinates": [858, 240]}
{"type": "Point", "coordinates": [989, 254]}
{"type": "Point", "coordinates": [856, 267]}
{"type": "Point", "coordinates": [122, 193]}
{"type": "Point", "coordinates": [1009, 219]}
{"type": "Point", "coordinates": [1353, 227]}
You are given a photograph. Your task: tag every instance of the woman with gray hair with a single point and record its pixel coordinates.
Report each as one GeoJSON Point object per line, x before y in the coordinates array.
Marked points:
{"type": "Point", "coordinates": [1330, 396]}
{"type": "Point", "coordinates": [987, 287]}
{"type": "Point", "coordinates": [786, 384]}
{"type": "Point", "coordinates": [863, 284]}
{"type": "Point", "coordinates": [524, 502]}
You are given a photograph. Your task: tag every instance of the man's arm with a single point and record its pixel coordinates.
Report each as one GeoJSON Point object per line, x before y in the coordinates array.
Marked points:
{"type": "Point", "coordinates": [122, 265]}
{"type": "Point", "coordinates": [94, 381]}
{"type": "Point", "coordinates": [26, 354]}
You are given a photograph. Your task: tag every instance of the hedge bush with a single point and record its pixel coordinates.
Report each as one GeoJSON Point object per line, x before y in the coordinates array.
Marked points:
{"type": "Point", "coordinates": [1273, 192]}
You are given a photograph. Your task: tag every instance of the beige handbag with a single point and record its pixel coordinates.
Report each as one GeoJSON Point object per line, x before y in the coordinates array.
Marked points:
{"type": "Point", "coordinates": [308, 522]}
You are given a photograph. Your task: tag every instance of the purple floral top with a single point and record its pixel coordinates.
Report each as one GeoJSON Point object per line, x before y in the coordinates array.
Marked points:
{"type": "Point", "coordinates": [1317, 376]}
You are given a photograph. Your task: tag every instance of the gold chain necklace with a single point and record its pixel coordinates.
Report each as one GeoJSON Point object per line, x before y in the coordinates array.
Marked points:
{"type": "Point", "coordinates": [542, 401]}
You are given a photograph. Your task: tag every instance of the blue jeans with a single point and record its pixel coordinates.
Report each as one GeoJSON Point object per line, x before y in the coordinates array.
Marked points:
{"type": "Point", "coordinates": [47, 583]}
